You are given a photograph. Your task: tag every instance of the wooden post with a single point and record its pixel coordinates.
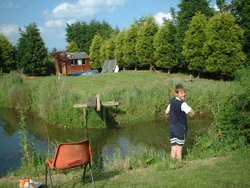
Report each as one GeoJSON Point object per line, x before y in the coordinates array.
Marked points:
{"type": "Point", "coordinates": [98, 103]}
{"type": "Point", "coordinates": [85, 119]}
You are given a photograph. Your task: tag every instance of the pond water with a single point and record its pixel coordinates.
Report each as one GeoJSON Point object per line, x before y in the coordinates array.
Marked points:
{"type": "Point", "coordinates": [104, 142]}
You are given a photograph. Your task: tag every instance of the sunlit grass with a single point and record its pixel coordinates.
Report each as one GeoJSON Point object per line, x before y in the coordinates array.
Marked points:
{"type": "Point", "coordinates": [142, 95]}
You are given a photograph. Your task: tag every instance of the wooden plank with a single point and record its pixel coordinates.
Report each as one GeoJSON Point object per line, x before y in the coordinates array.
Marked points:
{"type": "Point", "coordinates": [80, 105]}
{"type": "Point", "coordinates": [110, 103]}
{"type": "Point", "coordinates": [105, 104]}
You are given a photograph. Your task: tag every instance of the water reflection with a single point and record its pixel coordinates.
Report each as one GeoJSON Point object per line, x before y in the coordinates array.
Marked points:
{"type": "Point", "coordinates": [104, 141]}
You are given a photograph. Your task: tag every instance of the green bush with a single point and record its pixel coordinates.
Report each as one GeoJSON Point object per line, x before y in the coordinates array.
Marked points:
{"type": "Point", "coordinates": [231, 127]}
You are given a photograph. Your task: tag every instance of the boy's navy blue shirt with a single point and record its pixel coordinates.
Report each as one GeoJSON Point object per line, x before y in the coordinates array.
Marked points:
{"type": "Point", "coordinates": [178, 118]}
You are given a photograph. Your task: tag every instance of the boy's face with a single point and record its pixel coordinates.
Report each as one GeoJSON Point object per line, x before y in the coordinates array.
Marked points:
{"type": "Point", "coordinates": [181, 94]}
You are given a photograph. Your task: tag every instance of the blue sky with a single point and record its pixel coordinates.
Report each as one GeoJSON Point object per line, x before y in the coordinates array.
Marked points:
{"type": "Point", "coordinates": [51, 16]}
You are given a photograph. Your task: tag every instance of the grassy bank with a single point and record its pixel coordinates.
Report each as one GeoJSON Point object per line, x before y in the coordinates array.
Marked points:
{"type": "Point", "coordinates": [141, 95]}
{"type": "Point", "coordinates": [217, 159]}
{"type": "Point", "coordinates": [230, 170]}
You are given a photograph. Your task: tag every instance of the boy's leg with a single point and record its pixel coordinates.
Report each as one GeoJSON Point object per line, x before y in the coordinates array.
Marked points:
{"type": "Point", "coordinates": [174, 152]}
{"type": "Point", "coordinates": [179, 152]}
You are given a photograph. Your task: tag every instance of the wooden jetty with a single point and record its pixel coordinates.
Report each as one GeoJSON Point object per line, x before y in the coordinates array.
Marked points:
{"type": "Point", "coordinates": [97, 104]}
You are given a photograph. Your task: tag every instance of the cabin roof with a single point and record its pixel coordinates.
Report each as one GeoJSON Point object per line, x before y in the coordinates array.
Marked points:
{"type": "Point", "coordinates": [78, 55]}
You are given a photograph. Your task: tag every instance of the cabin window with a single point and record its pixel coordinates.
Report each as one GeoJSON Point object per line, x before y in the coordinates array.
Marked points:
{"type": "Point", "coordinates": [78, 62]}
{"type": "Point", "coordinates": [74, 62]}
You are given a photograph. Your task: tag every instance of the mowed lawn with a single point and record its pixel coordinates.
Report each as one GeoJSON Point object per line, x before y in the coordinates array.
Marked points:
{"type": "Point", "coordinates": [230, 170]}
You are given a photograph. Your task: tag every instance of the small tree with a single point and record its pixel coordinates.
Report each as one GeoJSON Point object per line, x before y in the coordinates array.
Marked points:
{"type": "Point", "coordinates": [61, 58]}
{"type": "Point", "coordinates": [7, 60]}
{"type": "Point", "coordinates": [32, 53]}
{"type": "Point", "coordinates": [95, 51]}
{"type": "Point", "coordinates": [72, 47]}
{"type": "Point", "coordinates": [193, 47]}
{"type": "Point", "coordinates": [223, 46]}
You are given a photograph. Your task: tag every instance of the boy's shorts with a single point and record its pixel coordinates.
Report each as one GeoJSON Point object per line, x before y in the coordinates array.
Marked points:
{"type": "Point", "coordinates": [177, 140]}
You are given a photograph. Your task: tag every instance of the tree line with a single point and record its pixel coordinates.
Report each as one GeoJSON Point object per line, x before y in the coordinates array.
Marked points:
{"type": "Point", "coordinates": [197, 39]}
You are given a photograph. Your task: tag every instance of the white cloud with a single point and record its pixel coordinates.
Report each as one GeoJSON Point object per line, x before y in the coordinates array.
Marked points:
{"type": "Point", "coordinates": [83, 8]}
{"type": "Point", "coordinates": [9, 4]}
{"type": "Point", "coordinates": [160, 15]}
{"type": "Point", "coordinates": [55, 23]}
{"type": "Point", "coordinates": [9, 30]}
{"type": "Point", "coordinates": [69, 13]}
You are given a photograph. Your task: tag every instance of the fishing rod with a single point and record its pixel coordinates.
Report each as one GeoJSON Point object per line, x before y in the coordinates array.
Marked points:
{"type": "Point", "coordinates": [173, 92]}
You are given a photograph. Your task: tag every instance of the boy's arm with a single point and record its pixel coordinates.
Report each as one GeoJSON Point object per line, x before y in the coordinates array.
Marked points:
{"type": "Point", "coordinates": [167, 110]}
{"type": "Point", "coordinates": [187, 109]}
{"type": "Point", "coordinates": [191, 112]}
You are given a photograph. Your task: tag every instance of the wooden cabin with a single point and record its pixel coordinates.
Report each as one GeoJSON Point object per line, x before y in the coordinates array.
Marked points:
{"type": "Point", "coordinates": [72, 63]}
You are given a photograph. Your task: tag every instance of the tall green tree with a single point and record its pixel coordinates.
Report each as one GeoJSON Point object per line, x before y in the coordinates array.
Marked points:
{"type": "Point", "coordinates": [188, 8]}
{"type": "Point", "coordinates": [95, 50]}
{"type": "Point", "coordinates": [7, 57]}
{"type": "Point", "coordinates": [110, 47]}
{"type": "Point", "coordinates": [223, 46]}
{"type": "Point", "coordinates": [145, 39]}
{"type": "Point", "coordinates": [193, 47]}
{"type": "Point", "coordinates": [164, 41]}
{"type": "Point", "coordinates": [119, 49]}
{"type": "Point", "coordinates": [79, 33]}
{"type": "Point", "coordinates": [241, 10]}
{"type": "Point", "coordinates": [103, 52]}
{"type": "Point", "coordinates": [72, 47]}
{"type": "Point", "coordinates": [130, 58]}
{"type": "Point", "coordinates": [83, 33]}
{"type": "Point", "coordinates": [32, 53]}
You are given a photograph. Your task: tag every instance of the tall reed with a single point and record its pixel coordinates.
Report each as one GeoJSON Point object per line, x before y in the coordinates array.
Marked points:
{"type": "Point", "coordinates": [32, 161]}
{"type": "Point", "coordinates": [54, 101]}
{"type": "Point", "coordinates": [13, 91]}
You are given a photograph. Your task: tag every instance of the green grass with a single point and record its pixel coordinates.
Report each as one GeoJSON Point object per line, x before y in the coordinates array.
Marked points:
{"type": "Point", "coordinates": [142, 95]}
{"type": "Point", "coordinates": [232, 170]}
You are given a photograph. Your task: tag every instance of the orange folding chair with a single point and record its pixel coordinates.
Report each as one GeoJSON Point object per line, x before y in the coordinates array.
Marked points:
{"type": "Point", "coordinates": [68, 156]}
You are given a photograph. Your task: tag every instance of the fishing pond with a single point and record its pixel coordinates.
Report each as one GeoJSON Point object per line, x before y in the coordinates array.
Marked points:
{"type": "Point", "coordinates": [105, 142]}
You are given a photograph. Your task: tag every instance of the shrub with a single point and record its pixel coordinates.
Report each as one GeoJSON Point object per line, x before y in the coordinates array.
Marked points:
{"type": "Point", "coordinates": [231, 128]}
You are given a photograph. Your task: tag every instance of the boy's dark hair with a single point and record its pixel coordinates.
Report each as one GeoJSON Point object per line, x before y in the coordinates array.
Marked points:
{"type": "Point", "coordinates": [178, 88]}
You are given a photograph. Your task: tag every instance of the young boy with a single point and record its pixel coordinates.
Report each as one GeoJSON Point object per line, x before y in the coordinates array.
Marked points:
{"type": "Point", "coordinates": [178, 110]}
